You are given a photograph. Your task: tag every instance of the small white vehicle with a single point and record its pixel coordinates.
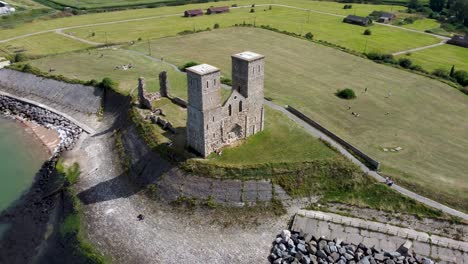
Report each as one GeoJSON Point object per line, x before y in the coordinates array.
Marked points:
{"type": "Point", "coordinates": [5, 8]}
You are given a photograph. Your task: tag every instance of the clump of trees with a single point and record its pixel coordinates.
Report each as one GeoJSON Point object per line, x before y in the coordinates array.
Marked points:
{"type": "Point", "coordinates": [346, 94]}
{"type": "Point", "coordinates": [453, 14]}
{"type": "Point", "coordinates": [347, 6]}
{"type": "Point", "coordinates": [367, 32]}
{"type": "Point", "coordinates": [309, 35]}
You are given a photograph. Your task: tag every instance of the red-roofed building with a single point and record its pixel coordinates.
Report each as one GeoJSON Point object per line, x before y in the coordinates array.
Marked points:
{"type": "Point", "coordinates": [217, 10]}
{"type": "Point", "coordinates": [193, 13]}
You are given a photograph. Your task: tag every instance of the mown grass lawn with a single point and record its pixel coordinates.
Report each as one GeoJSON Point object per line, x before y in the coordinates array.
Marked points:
{"type": "Point", "coordinates": [442, 57]}
{"type": "Point", "coordinates": [324, 27]}
{"type": "Point", "coordinates": [97, 64]}
{"type": "Point", "coordinates": [423, 24]}
{"type": "Point", "coordinates": [281, 141]}
{"type": "Point", "coordinates": [49, 43]}
{"type": "Point", "coordinates": [424, 117]}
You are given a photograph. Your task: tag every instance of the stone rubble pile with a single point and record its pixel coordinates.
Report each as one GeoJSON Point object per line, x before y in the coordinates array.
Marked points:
{"type": "Point", "coordinates": [68, 132]}
{"type": "Point", "coordinates": [294, 248]}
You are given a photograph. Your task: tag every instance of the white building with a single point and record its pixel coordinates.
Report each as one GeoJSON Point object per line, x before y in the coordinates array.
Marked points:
{"type": "Point", "coordinates": [6, 9]}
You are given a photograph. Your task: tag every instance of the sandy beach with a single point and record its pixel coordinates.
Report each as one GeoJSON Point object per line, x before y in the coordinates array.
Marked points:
{"type": "Point", "coordinates": [48, 137]}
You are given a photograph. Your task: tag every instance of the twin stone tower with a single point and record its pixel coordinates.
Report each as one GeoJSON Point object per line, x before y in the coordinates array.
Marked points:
{"type": "Point", "coordinates": [212, 124]}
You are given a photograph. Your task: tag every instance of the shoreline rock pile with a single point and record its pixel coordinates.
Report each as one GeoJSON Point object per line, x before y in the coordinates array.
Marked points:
{"type": "Point", "coordinates": [68, 131]}
{"type": "Point", "coordinates": [293, 248]}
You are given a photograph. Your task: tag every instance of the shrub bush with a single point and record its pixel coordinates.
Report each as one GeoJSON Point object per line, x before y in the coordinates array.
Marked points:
{"type": "Point", "coordinates": [226, 81]}
{"type": "Point", "coordinates": [216, 26]}
{"type": "Point", "coordinates": [252, 10]}
{"type": "Point", "coordinates": [387, 58]}
{"type": "Point", "coordinates": [309, 35]}
{"type": "Point", "coordinates": [108, 83]}
{"type": "Point", "coordinates": [347, 6]}
{"type": "Point", "coordinates": [405, 63]}
{"type": "Point", "coordinates": [188, 65]}
{"type": "Point", "coordinates": [441, 73]}
{"type": "Point", "coordinates": [367, 32]}
{"type": "Point", "coordinates": [20, 57]}
{"type": "Point", "coordinates": [346, 94]}
{"type": "Point", "coordinates": [461, 77]}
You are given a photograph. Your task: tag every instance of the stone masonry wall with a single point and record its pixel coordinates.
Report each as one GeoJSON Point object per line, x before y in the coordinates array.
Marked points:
{"type": "Point", "coordinates": [383, 236]}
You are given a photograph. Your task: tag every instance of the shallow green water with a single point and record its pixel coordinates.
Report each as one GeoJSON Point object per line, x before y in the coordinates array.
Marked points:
{"type": "Point", "coordinates": [21, 156]}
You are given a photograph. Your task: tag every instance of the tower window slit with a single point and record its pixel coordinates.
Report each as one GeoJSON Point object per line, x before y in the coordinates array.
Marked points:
{"type": "Point", "coordinates": [230, 110]}
{"type": "Point", "coordinates": [240, 106]}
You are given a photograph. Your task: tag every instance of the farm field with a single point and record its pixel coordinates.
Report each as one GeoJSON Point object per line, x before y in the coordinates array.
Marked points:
{"type": "Point", "coordinates": [93, 4]}
{"type": "Point", "coordinates": [97, 64]}
{"type": "Point", "coordinates": [424, 117]}
{"type": "Point", "coordinates": [442, 57]}
{"type": "Point", "coordinates": [324, 27]}
{"type": "Point", "coordinates": [49, 43]}
{"type": "Point", "coordinates": [43, 25]}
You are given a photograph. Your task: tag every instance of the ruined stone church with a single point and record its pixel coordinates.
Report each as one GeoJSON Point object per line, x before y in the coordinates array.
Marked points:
{"type": "Point", "coordinates": [212, 124]}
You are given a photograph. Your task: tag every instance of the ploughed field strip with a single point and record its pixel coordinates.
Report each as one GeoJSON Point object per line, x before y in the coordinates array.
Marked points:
{"type": "Point", "coordinates": [427, 158]}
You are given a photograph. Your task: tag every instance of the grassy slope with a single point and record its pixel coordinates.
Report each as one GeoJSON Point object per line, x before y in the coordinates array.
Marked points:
{"type": "Point", "coordinates": [426, 117]}
{"type": "Point", "coordinates": [87, 66]}
{"type": "Point", "coordinates": [49, 43]}
{"type": "Point", "coordinates": [324, 27]}
{"type": "Point", "coordinates": [441, 57]}
{"type": "Point", "coordinates": [281, 141]}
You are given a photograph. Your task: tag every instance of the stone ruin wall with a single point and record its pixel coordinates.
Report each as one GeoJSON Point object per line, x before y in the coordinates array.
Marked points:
{"type": "Point", "coordinates": [211, 124]}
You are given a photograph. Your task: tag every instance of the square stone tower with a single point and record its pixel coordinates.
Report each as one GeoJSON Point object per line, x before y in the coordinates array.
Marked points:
{"type": "Point", "coordinates": [204, 99]}
{"type": "Point", "coordinates": [248, 79]}
{"type": "Point", "coordinates": [212, 124]}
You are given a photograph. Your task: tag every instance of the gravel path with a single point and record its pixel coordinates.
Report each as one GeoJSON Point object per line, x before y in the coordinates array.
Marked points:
{"type": "Point", "coordinates": [443, 42]}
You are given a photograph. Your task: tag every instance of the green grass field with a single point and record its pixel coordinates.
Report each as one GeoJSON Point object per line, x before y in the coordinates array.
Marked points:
{"type": "Point", "coordinates": [281, 141]}
{"type": "Point", "coordinates": [49, 43]}
{"type": "Point", "coordinates": [324, 27]}
{"type": "Point", "coordinates": [423, 24]}
{"type": "Point", "coordinates": [25, 4]}
{"type": "Point", "coordinates": [101, 4]}
{"type": "Point", "coordinates": [442, 57]}
{"type": "Point", "coordinates": [425, 118]}
{"type": "Point", "coordinates": [90, 65]}
{"type": "Point", "coordinates": [41, 25]}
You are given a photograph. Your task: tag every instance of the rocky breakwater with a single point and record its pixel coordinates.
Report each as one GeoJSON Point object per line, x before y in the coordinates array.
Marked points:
{"type": "Point", "coordinates": [68, 132]}
{"type": "Point", "coordinates": [28, 218]}
{"type": "Point", "coordinates": [291, 247]}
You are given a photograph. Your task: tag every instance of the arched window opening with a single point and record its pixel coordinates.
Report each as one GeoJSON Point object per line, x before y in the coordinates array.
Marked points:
{"type": "Point", "coordinates": [240, 106]}
{"type": "Point", "coordinates": [230, 110]}
{"type": "Point", "coordinates": [206, 84]}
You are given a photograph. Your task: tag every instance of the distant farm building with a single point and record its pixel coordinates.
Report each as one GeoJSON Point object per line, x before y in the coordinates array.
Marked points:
{"type": "Point", "coordinates": [357, 20]}
{"type": "Point", "coordinates": [386, 17]}
{"type": "Point", "coordinates": [6, 9]}
{"type": "Point", "coordinates": [457, 40]}
{"type": "Point", "coordinates": [217, 10]}
{"type": "Point", "coordinates": [193, 13]}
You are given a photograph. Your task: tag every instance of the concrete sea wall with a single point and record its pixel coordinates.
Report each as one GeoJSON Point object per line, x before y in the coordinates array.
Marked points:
{"type": "Point", "coordinates": [383, 236]}
{"type": "Point", "coordinates": [75, 100]}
